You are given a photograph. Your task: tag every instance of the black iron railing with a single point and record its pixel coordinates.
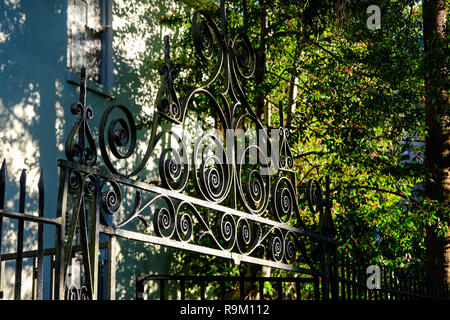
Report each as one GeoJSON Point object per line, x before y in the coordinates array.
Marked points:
{"type": "Point", "coordinates": [21, 217]}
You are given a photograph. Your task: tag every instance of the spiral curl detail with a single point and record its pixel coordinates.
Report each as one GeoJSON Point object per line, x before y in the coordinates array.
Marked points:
{"type": "Point", "coordinates": [213, 176]}
{"type": "Point", "coordinates": [164, 220]}
{"type": "Point", "coordinates": [314, 195]}
{"type": "Point", "coordinates": [184, 227]}
{"type": "Point", "coordinates": [227, 230]}
{"type": "Point", "coordinates": [120, 134]}
{"type": "Point", "coordinates": [111, 199]}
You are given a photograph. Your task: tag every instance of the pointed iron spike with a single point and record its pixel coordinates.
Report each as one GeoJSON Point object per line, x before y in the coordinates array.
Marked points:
{"type": "Point", "coordinates": [83, 74]}
{"type": "Point", "coordinates": [2, 184]}
{"type": "Point", "coordinates": [23, 177]}
{"type": "Point", "coordinates": [166, 46]}
{"type": "Point", "coordinates": [3, 172]}
{"type": "Point", "coordinates": [83, 86]}
{"type": "Point", "coordinates": [41, 176]}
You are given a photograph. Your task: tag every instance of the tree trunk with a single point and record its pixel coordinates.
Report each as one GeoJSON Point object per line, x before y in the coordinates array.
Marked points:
{"type": "Point", "coordinates": [437, 142]}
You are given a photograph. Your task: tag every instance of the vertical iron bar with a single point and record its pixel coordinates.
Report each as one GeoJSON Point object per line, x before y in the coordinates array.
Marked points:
{"type": "Point", "coordinates": [316, 288]}
{"type": "Point", "coordinates": [414, 285]}
{"type": "Point", "coordinates": [71, 233]}
{"type": "Point", "coordinates": [343, 278]}
{"type": "Point", "coordinates": [111, 280]}
{"type": "Point", "coordinates": [202, 289]}
{"type": "Point", "coordinates": [40, 257]}
{"type": "Point", "coordinates": [85, 249]}
{"type": "Point", "coordinates": [419, 284]}
{"type": "Point", "coordinates": [366, 290]}
{"type": "Point", "coordinates": [347, 276]}
{"type": "Point", "coordinates": [391, 282]}
{"type": "Point", "coordinates": [2, 206]}
{"type": "Point", "coordinates": [364, 284]}
{"type": "Point", "coordinates": [324, 270]}
{"type": "Point", "coordinates": [298, 290]}
{"type": "Point", "coordinates": [20, 230]}
{"type": "Point", "coordinates": [353, 276]}
{"type": "Point", "coordinates": [387, 282]}
{"type": "Point", "coordinates": [33, 283]}
{"type": "Point", "coordinates": [139, 288]}
{"type": "Point", "coordinates": [223, 25]}
{"type": "Point", "coordinates": [397, 284]}
{"type": "Point", "coordinates": [261, 290]}
{"type": "Point", "coordinates": [358, 281]}
{"type": "Point", "coordinates": [350, 278]}
{"type": "Point", "coordinates": [82, 128]}
{"type": "Point", "coordinates": [401, 283]}
{"type": "Point", "coordinates": [280, 289]}
{"type": "Point", "coordinates": [52, 276]}
{"type": "Point", "coordinates": [404, 285]}
{"type": "Point", "coordinates": [59, 272]}
{"type": "Point", "coordinates": [384, 283]}
{"type": "Point", "coordinates": [94, 238]}
{"type": "Point", "coordinates": [183, 289]}
{"type": "Point", "coordinates": [361, 282]}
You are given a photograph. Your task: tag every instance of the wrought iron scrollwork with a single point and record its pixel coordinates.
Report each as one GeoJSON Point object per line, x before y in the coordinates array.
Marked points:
{"type": "Point", "coordinates": [315, 198]}
{"type": "Point", "coordinates": [212, 172]}
{"type": "Point", "coordinates": [174, 164]}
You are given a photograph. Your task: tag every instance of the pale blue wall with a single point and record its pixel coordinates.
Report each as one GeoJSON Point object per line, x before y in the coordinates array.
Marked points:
{"type": "Point", "coordinates": [35, 99]}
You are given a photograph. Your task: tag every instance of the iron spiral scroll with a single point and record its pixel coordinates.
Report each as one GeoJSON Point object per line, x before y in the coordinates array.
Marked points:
{"type": "Point", "coordinates": [230, 206]}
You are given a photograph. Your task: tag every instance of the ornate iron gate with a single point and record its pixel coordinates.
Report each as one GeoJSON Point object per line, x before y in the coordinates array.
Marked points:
{"type": "Point", "coordinates": [220, 204]}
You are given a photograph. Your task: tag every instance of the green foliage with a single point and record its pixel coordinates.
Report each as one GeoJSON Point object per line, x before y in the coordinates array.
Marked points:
{"type": "Point", "coordinates": [359, 93]}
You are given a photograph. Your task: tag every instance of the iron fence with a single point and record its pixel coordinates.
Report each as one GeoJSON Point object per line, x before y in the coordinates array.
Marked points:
{"type": "Point", "coordinates": [351, 283]}
{"type": "Point", "coordinates": [220, 207]}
